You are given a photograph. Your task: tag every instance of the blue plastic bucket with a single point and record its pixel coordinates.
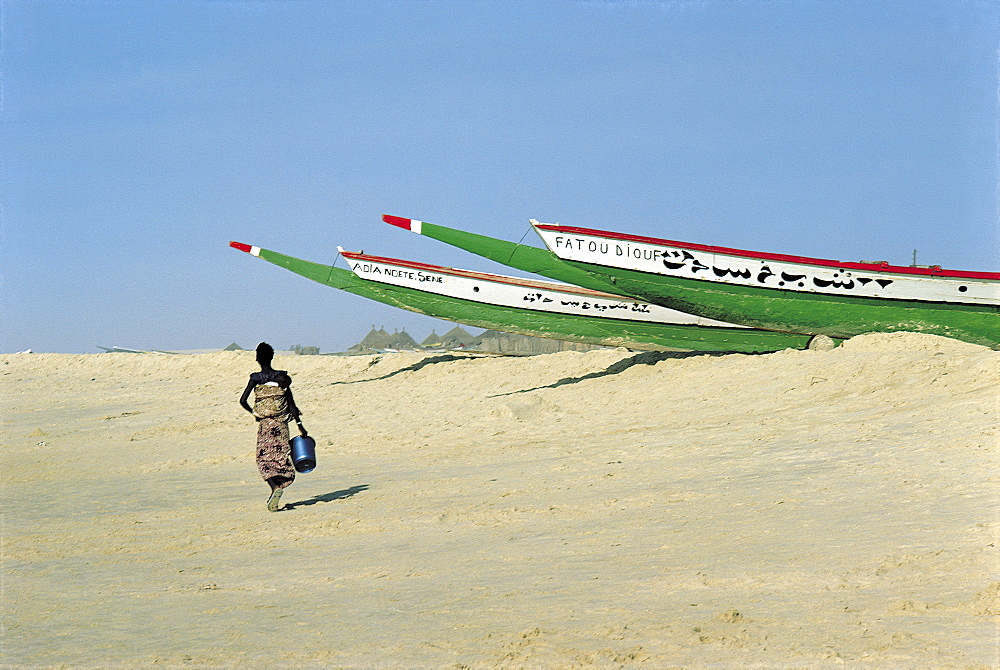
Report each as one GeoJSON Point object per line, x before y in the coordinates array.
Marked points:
{"type": "Point", "coordinates": [303, 453]}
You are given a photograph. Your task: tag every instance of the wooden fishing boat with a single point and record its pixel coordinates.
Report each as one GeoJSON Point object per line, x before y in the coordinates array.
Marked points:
{"type": "Point", "coordinates": [776, 291]}
{"type": "Point", "coordinates": [527, 307]}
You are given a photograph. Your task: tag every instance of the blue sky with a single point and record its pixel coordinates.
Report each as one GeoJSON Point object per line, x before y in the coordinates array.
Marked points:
{"type": "Point", "coordinates": [138, 138]}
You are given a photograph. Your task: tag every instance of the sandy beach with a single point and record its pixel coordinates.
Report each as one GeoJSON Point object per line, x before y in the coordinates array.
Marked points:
{"type": "Point", "coordinates": [576, 509]}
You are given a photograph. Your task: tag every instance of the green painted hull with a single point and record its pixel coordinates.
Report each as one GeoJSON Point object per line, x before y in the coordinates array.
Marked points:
{"type": "Point", "coordinates": [817, 314]}
{"type": "Point", "coordinates": [573, 328]}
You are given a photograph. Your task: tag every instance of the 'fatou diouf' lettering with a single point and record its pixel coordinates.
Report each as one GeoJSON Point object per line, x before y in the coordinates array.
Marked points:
{"type": "Point", "coordinates": [579, 243]}
{"type": "Point", "coordinates": [638, 253]}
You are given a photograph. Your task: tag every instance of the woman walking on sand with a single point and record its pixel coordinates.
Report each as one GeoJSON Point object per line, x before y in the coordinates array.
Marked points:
{"type": "Point", "coordinates": [273, 408]}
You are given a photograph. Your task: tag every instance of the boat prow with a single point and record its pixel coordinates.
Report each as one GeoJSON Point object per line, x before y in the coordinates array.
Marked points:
{"type": "Point", "coordinates": [518, 256]}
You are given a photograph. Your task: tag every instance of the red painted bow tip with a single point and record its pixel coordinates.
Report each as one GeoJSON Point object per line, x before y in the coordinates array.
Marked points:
{"type": "Point", "coordinates": [396, 221]}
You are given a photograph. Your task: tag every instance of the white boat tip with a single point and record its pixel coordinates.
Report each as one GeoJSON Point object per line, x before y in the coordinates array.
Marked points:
{"type": "Point", "coordinates": [255, 251]}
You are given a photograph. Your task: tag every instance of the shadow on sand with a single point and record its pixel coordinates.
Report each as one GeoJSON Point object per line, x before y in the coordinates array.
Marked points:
{"type": "Point", "coordinates": [430, 360]}
{"type": "Point", "coordinates": [328, 497]}
{"type": "Point", "coordinates": [644, 358]}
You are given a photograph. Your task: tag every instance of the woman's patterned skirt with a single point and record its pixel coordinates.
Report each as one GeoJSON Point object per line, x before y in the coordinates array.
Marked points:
{"type": "Point", "coordinates": [274, 455]}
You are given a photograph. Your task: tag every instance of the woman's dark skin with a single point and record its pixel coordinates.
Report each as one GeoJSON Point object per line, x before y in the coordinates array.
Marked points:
{"type": "Point", "coordinates": [264, 358]}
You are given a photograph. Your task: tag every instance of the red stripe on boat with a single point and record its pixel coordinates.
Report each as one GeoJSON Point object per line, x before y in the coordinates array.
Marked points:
{"type": "Point", "coordinates": [240, 246]}
{"type": "Point", "coordinates": [935, 271]}
{"type": "Point", "coordinates": [398, 221]}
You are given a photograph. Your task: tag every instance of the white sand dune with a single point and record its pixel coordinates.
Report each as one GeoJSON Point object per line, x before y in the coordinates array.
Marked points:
{"type": "Point", "coordinates": [797, 509]}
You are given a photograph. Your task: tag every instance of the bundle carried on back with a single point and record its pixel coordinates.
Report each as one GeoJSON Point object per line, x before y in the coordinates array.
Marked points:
{"type": "Point", "coordinates": [271, 402]}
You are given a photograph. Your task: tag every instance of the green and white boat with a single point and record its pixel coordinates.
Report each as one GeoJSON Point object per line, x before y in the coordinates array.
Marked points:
{"type": "Point", "coordinates": [528, 307]}
{"type": "Point", "coordinates": [766, 290]}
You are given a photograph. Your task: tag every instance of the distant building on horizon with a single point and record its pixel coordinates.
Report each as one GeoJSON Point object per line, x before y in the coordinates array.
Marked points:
{"type": "Point", "coordinates": [379, 340]}
{"type": "Point", "coordinates": [489, 341]}
{"type": "Point", "coordinates": [432, 341]}
{"type": "Point", "coordinates": [457, 338]}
